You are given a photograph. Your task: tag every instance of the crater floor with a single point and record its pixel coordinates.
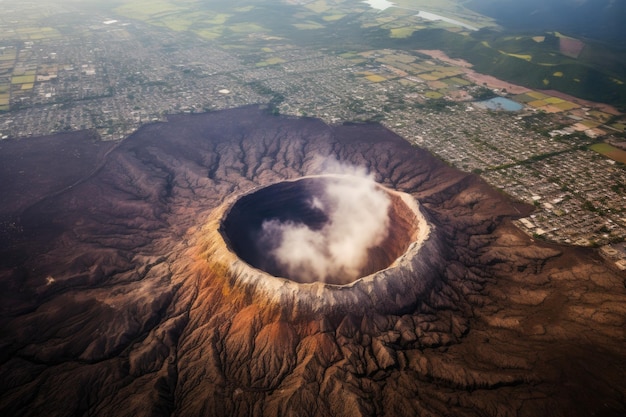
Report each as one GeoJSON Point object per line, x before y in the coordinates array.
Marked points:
{"type": "Point", "coordinates": [119, 295]}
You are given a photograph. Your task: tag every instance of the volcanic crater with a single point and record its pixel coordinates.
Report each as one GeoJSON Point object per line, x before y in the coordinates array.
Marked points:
{"type": "Point", "coordinates": [134, 281]}
{"type": "Point", "coordinates": [304, 205]}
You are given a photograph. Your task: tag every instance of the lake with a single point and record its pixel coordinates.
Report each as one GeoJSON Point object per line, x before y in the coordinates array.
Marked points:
{"type": "Point", "coordinates": [436, 17]}
{"type": "Point", "coordinates": [379, 4]}
{"type": "Point", "coordinates": [499, 103]}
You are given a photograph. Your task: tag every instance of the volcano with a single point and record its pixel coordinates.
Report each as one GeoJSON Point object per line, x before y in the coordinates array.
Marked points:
{"type": "Point", "coordinates": [165, 275]}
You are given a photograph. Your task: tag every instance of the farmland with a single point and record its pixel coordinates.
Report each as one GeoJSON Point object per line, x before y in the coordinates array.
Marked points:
{"type": "Point", "coordinates": [610, 152]}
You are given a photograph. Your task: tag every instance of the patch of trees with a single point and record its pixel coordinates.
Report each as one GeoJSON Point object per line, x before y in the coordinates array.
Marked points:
{"type": "Point", "coordinates": [483, 93]}
{"type": "Point", "coordinates": [438, 105]}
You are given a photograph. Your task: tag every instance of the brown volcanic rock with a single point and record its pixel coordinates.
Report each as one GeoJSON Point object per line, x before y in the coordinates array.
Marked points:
{"type": "Point", "coordinates": [119, 296]}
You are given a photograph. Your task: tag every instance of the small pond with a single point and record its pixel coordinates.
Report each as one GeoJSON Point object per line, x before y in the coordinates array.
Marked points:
{"type": "Point", "coordinates": [379, 4]}
{"type": "Point", "coordinates": [499, 103]}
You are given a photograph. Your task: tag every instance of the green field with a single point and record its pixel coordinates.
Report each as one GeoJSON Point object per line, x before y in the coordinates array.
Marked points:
{"type": "Point", "coordinates": [619, 126]}
{"type": "Point", "coordinates": [456, 81]}
{"type": "Point", "coordinates": [403, 32]}
{"type": "Point", "coordinates": [318, 6]}
{"type": "Point", "coordinates": [23, 79]}
{"type": "Point", "coordinates": [333, 17]}
{"type": "Point", "coordinates": [308, 25]}
{"type": "Point", "coordinates": [610, 152]}
{"type": "Point", "coordinates": [375, 78]}
{"type": "Point", "coordinates": [270, 61]}
{"type": "Point", "coordinates": [433, 95]}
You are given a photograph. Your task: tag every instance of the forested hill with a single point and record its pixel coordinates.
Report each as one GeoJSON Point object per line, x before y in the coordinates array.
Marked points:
{"type": "Point", "coordinates": [596, 19]}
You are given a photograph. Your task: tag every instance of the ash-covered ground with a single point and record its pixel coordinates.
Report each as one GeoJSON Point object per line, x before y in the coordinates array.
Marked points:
{"type": "Point", "coordinates": [119, 297]}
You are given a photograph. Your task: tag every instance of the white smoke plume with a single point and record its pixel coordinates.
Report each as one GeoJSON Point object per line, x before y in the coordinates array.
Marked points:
{"type": "Point", "coordinates": [358, 219]}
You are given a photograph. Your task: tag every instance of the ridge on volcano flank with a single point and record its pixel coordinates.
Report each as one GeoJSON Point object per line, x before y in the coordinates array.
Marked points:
{"type": "Point", "coordinates": [331, 228]}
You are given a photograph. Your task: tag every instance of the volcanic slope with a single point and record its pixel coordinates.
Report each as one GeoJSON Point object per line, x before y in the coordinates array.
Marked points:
{"type": "Point", "coordinates": [119, 297]}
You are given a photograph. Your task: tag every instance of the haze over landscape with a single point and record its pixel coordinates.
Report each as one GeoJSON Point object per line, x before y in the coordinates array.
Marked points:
{"type": "Point", "coordinates": [312, 208]}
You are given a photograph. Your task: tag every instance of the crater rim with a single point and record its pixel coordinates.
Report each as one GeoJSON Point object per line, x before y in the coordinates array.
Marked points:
{"type": "Point", "coordinates": [420, 230]}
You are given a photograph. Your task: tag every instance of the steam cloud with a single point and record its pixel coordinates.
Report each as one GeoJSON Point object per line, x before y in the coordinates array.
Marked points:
{"type": "Point", "coordinates": [358, 219]}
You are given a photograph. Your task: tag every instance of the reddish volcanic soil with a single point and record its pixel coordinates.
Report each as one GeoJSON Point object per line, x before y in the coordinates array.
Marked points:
{"type": "Point", "coordinates": [118, 296]}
